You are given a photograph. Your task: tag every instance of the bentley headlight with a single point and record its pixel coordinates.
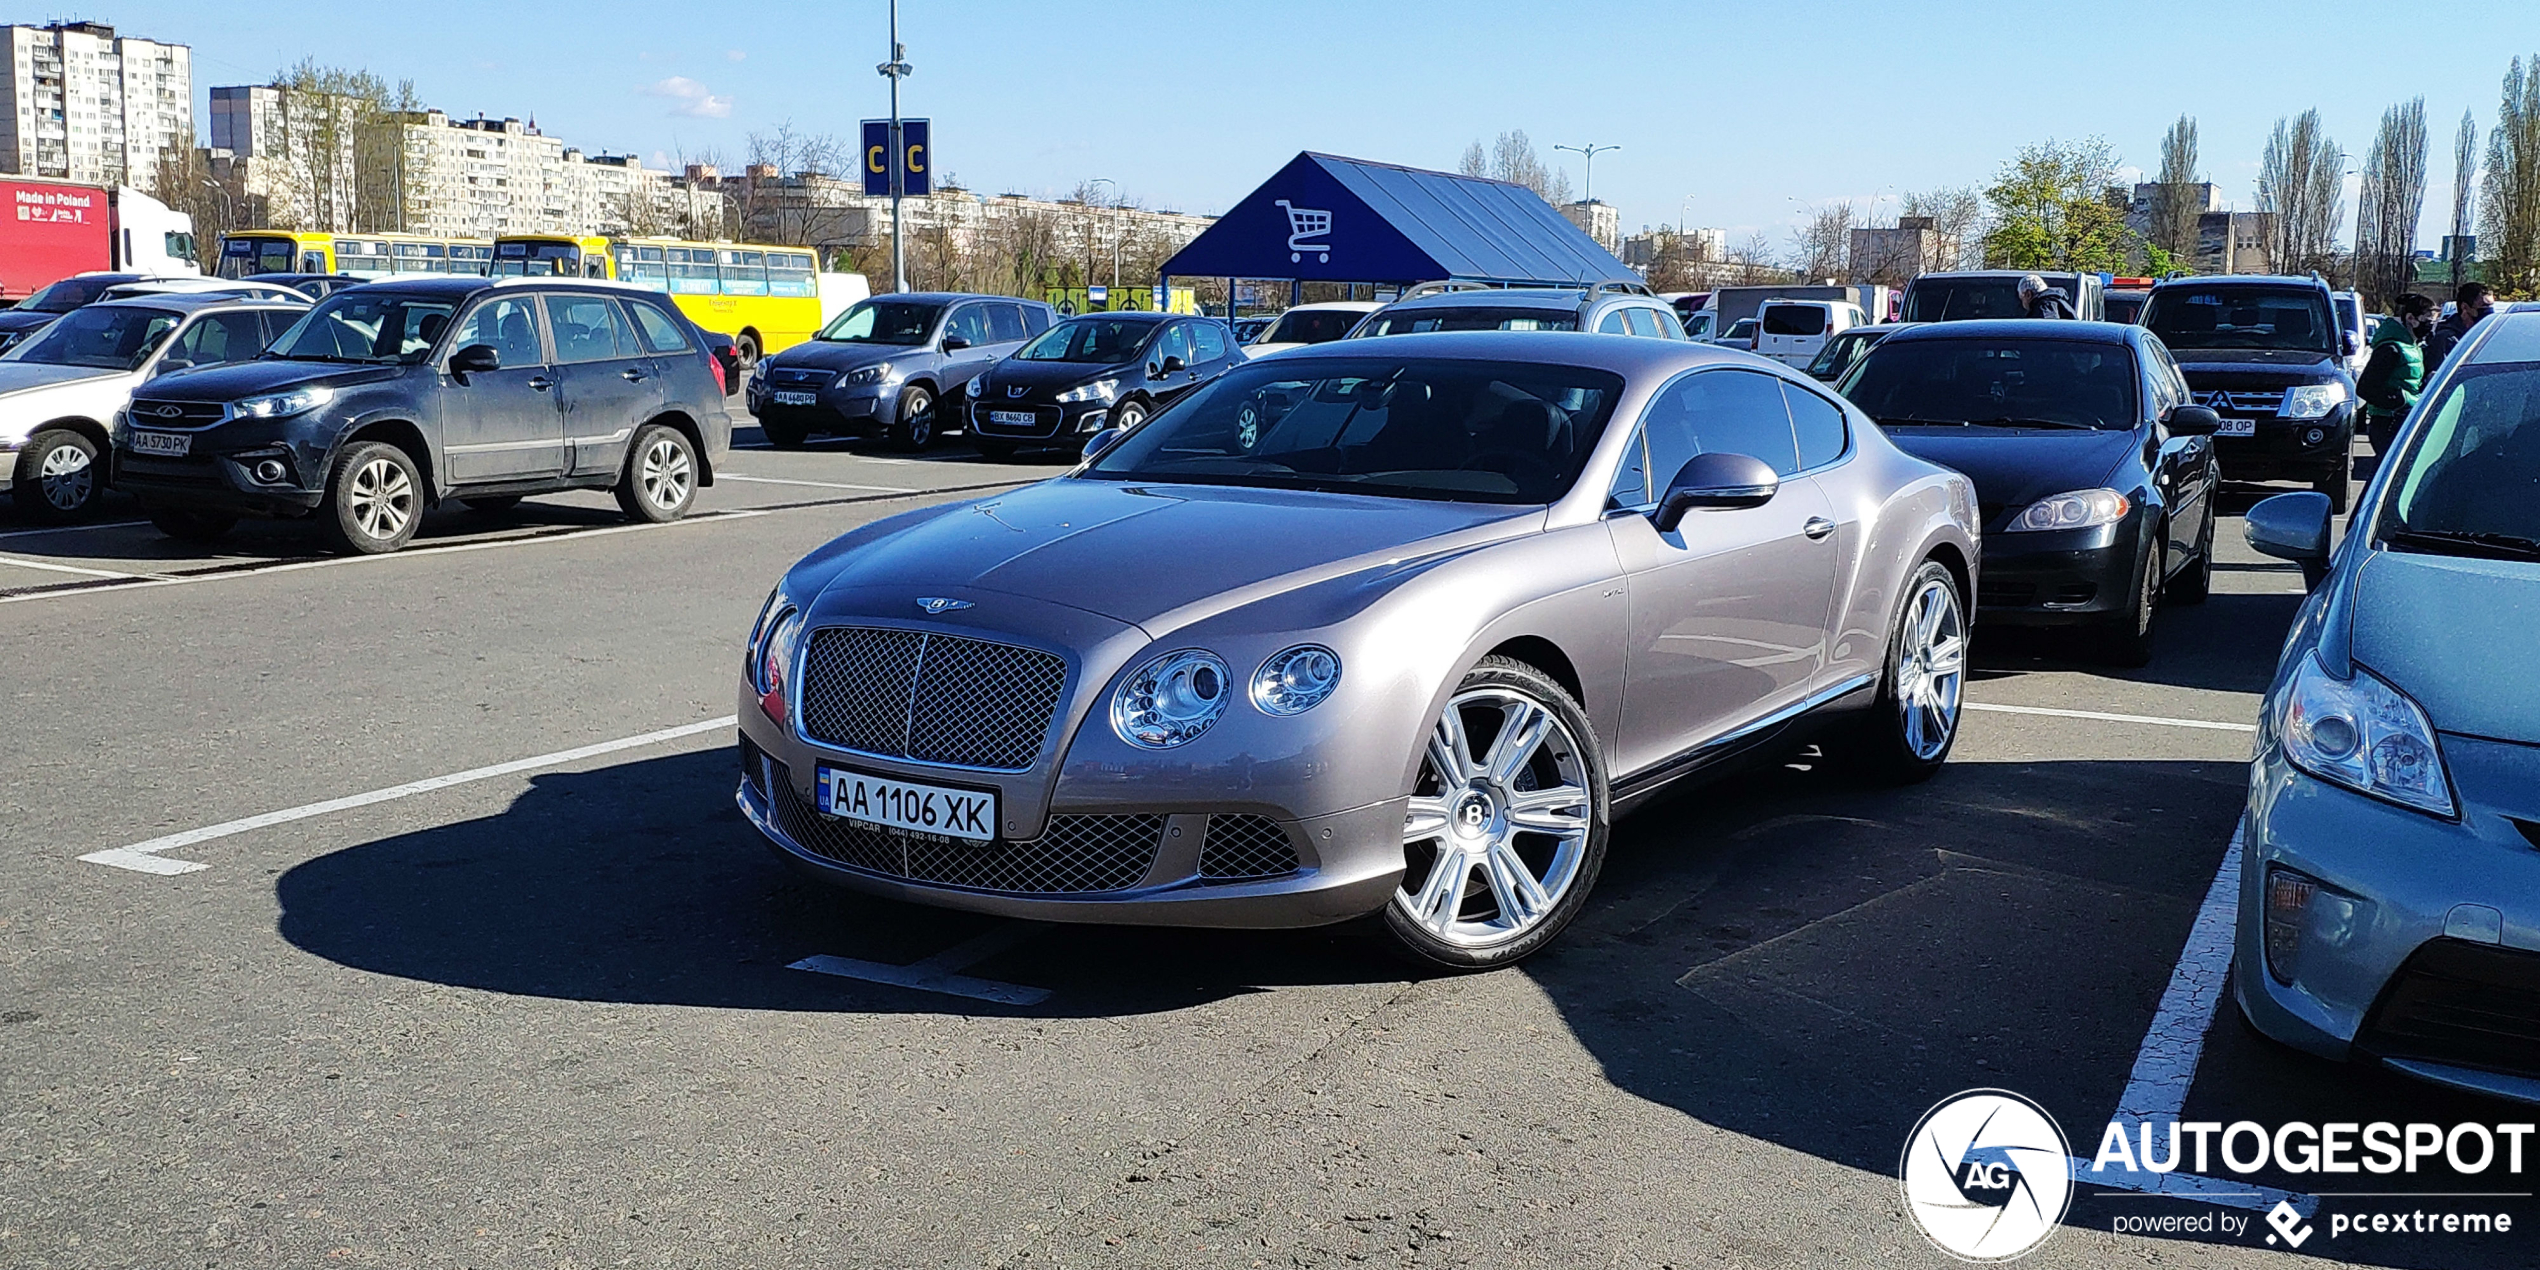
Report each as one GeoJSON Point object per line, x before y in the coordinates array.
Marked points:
{"type": "Point", "coordinates": [1295, 680]}
{"type": "Point", "coordinates": [2311, 401]}
{"type": "Point", "coordinates": [1172, 699]}
{"type": "Point", "coordinates": [2080, 509]}
{"type": "Point", "coordinates": [1102, 390]}
{"type": "Point", "coordinates": [281, 404]}
{"type": "Point", "coordinates": [2365, 735]}
{"type": "Point", "coordinates": [772, 661]}
{"type": "Point", "coordinates": [877, 373]}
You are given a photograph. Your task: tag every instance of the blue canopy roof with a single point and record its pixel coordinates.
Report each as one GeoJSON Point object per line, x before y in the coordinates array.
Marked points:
{"type": "Point", "coordinates": [1323, 218]}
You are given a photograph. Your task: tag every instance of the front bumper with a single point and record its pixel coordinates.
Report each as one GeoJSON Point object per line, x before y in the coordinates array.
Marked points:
{"type": "Point", "coordinates": [1050, 421]}
{"type": "Point", "coordinates": [860, 409]}
{"type": "Point", "coordinates": [2058, 577]}
{"type": "Point", "coordinates": [216, 475]}
{"type": "Point", "coordinates": [2289, 449]}
{"type": "Point", "coordinates": [2422, 948]}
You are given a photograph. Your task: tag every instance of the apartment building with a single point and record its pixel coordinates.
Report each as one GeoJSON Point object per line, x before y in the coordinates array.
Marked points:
{"type": "Point", "coordinates": [78, 101]}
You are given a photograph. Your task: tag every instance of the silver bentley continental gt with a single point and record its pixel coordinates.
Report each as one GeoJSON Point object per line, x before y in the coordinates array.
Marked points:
{"type": "Point", "coordinates": [1393, 631]}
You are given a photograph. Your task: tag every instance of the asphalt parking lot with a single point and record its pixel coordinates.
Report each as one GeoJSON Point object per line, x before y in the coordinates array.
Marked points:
{"type": "Point", "coordinates": [513, 984]}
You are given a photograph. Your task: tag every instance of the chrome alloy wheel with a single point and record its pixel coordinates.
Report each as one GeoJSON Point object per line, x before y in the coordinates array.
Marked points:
{"type": "Point", "coordinates": [1931, 668]}
{"type": "Point", "coordinates": [383, 499]}
{"type": "Point", "coordinates": [666, 473]}
{"type": "Point", "coordinates": [68, 476]}
{"type": "Point", "coordinates": [1494, 841]}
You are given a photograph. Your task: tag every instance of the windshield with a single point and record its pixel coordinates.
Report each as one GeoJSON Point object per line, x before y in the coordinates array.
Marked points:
{"type": "Point", "coordinates": [2292, 319]}
{"type": "Point", "coordinates": [1794, 319]}
{"type": "Point", "coordinates": [1960, 299]}
{"type": "Point", "coordinates": [106, 337]}
{"type": "Point", "coordinates": [2008, 381]}
{"type": "Point", "coordinates": [1311, 326]}
{"type": "Point", "coordinates": [71, 293]}
{"type": "Point", "coordinates": [1841, 352]}
{"type": "Point", "coordinates": [2464, 486]}
{"type": "Point", "coordinates": [1103, 341]}
{"type": "Point", "coordinates": [1465, 431]}
{"type": "Point", "coordinates": [896, 322]}
{"type": "Point", "coordinates": [536, 260]}
{"type": "Point", "coordinates": [354, 327]}
{"type": "Point", "coordinates": [1480, 317]}
{"type": "Point", "coordinates": [240, 257]}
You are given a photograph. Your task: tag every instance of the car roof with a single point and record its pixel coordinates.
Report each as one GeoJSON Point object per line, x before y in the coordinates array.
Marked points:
{"type": "Point", "coordinates": [2025, 328]}
{"type": "Point", "coordinates": [2002, 273]}
{"type": "Point", "coordinates": [1134, 315]}
{"type": "Point", "coordinates": [1622, 353]}
{"type": "Point", "coordinates": [189, 301]}
{"type": "Point", "coordinates": [944, 297]}
{"type": "Point", "coordinates": [2242, 280]}
{"type": "Point", "coordinates": [1505, 297]}
{"type": "Point", "coordinates": [1332, 306]}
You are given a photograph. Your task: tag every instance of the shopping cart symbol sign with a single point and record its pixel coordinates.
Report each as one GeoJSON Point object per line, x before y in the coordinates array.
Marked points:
{"type": "Point", "coordinates": [1307, 225]}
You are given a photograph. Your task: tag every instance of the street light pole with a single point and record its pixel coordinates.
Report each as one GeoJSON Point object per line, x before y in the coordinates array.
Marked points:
{"type": "Point", "coordinates": [1588, 195]}
{"type": "Point", "coordinates": [1112, 301]}
{"type": "Point", "coordinates": [896, 70]}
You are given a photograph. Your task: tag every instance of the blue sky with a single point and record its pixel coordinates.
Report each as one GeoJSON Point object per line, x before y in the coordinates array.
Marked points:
{"type": "Point", "coordinates": [1740, 115]}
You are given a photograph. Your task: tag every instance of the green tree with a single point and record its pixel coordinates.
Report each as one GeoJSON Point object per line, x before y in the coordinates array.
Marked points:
{"type": "Point", "coordinates": [2511, 243]}
{"type": "Point", "coordinates": [2051, 210]}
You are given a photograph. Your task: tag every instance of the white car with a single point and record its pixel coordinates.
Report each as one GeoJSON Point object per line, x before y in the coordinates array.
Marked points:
{"type": "Point", "coordinates": [207, 286]}
{"type": "Point", "coordinates": [1305, 324]}
{"type": "Point", "coordinates": [1791, 331]}
{"type": "Point", "coordinates": [61, 390]}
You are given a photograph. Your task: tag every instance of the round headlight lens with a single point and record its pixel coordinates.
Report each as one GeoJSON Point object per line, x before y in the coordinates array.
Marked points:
{"type": "Point", "coordinates": [1172, 699]}
{"type": "Point", "coordinates": [1295, 680]}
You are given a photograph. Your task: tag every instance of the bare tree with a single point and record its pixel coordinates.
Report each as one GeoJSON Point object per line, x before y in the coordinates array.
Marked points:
{"type": "Point", "coordinates": [1957, 216]}
{"type": "Point", "coordinates": [792, 191]}
{"type": "Point", "coordinates": [183, 179]}
{"type": "Point", "coordinates": [2390, 203]}
{"type": "Point", "coordinates": [1822, 248]}
{"type": "Point", "coordinates": [2464, 178]}
{"type": "Point", "coordinates": [2299, 181]}
{"type": "Point", "coordinates": [2510, 238]}
{"type": "Point", "coordinates": [1475, 162]}
{"type": "Point", "coordinates": [2175, 206]}
{"type": "Point", "coordinates": [1512, 158]}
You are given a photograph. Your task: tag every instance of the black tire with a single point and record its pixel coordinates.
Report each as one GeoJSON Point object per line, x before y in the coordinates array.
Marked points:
{"type": "Point", "coordinates": [492, 504]}
{"type": "Point", "coordinates": [1476, 812]}
{"type": "Point", "coordinates": [784, 436]}
{"type": "Point", "coordinates": [2127, 640]}
{"type": "Point", "coordinates": [996, 451]}
{"type": "Point", "coordinates": [2337, 484]}
{"type": "Point", "coordinates": [913, 428]}
{"type": "Point", "coordinates": [187, 525]}
{"type": "Point", "coordinates": [1892, 745]}
{"type": "Point", "coordinates": [374, 500]}
{"type": "Point", "coordinates": [2193, 584]}
{"type": "Point", "coordinates": [746, 350]}
{"type": "Point", "coordinates": [60, 477]}
{"type": "Point", "coordinates": [660, 480]}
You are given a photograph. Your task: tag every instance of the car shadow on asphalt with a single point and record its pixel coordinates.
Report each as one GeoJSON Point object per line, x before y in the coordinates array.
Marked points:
{"type": "Point", "coordinates": [2229, 643]}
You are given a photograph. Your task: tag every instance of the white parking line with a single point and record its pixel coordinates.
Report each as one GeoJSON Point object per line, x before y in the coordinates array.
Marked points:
{"type": "Point", "coordinates": [50, 567]}
{"type": "Point", "coordinates": [2158, 720]}
{"type": "Point", "coordinates": [144, 857]}
{"type": "Point", "coordinates": [936, 973]}
{"type": "Point", "coordinates": [149, 581]}
{"type": "Point", "coordinates": [774, 480]}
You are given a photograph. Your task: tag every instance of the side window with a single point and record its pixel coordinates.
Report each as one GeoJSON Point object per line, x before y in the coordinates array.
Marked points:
{"type": "Point", "coordinates": [1005, 323]}
{"type": "Point", "coordinates": [1716, 412]}
{"type": "Point", "coordinates": [1176, 343]}
{"type": "Point", "coordinates": [659, 333]}
{"type": "Point", "coordinates": [1036, 318]}
{"type": "Point", "coordinates": [970, 322]}
{"type": "Point", "coordinates": [508, 324]}
{"type": "Point", "coordinates": [1631, 477]}
{"type": "Point", "coordinates": [1818, 423]}
{"type": "Point", "coordinates": [587, 328]}
{"type": "Point", "coordinates": [218, 337]}
{"type": "Point", "coordinates": [1208, 340]}
{"type": "Point", "coordinates": [1613, 324]}
{"type": "Point", "coordinates": [1645, 322]}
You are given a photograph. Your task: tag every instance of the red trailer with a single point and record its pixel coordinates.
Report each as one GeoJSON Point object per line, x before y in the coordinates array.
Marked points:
{"type": "Point", "coordinates": [50, 230]}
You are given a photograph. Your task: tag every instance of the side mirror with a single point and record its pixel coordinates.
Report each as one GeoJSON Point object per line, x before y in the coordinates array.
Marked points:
{"type": "Point", "coordinates": [1716, 482]}
{"type": "Point", "coordinates": [474, 358]}
{"type": "Point", "coordinates": [2346, 343]}
{"type": "Point", "coordinates": [1101, 441]}
{"type": "Point", "coordinates": [2292, 527]}
{"type": "Point", "coordinates": [2192, 421]}
{"type": "Point", "coordinates": [1172, 365]}
{"type": "Point", "coordinates": [169, 365]}
{"type": "Point", "coordinates": [954, 343]}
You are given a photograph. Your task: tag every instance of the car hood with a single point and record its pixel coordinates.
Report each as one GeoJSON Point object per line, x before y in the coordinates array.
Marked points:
{"type": "Point", "coordinates": [2249, 367]}
{"type": "Point", "coordinates": [2454, 634]}
{"type": "Point", "coordinates": [2013, 467]}
{"type": "Point", "coordinates": [832, 355]}
{"type": "Point", "coordinates": [16, 377]}
{"type": "Point", "coordinates": [25, 319]}
{"type": "Point", "coordinates": [234, 380]}
{"type": "Point", "coordinates": [1161, 556]}
{"type": "Point", "coordinates": [1014, 372]}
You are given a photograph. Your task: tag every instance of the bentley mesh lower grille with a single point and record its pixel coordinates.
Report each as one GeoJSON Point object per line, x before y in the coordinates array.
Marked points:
{"type": "Point", "coordinates": [931, 697]}
{"type": "Point", "coordinates": [1246, 847]}
{"type": "Point", "coordinates": [1076, 855]}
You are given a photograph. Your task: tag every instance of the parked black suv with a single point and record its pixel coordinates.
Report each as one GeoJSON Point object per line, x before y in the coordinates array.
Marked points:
{"type": "Point", "coordinates": [388, 398]}
{"type": "Point", "coordinates": [2267, 355]}
{"type": "Point", "coordinates": [1097, 371]}
{"type": "Point", "coordinates": [889, 365]}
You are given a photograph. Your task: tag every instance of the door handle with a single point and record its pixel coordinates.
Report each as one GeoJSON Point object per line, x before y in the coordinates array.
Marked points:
{"type": "Point", "coordinates": [1817, 527]}
{"type": "Point", "coordinates": [631, 375]}
{"type": "Point", "coordinates": [539, 382]}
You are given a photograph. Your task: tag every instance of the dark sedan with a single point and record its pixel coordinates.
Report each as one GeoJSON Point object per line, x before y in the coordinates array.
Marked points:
{"type": "Point", "coordinates": [2094, 473]}
{"type": "Point", "coordinates": [1101, 370]}
{"type": "Point", "coordinates": [37, 311]}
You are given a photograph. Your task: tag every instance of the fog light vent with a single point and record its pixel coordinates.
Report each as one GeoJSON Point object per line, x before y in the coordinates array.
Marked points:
{"type": "Point", "coordinates": [2288, 910]}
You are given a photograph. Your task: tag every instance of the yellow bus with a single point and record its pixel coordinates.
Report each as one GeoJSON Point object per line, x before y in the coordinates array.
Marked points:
{"type": "Point", "coordinates": [253, 251]}
{"type": "Point", "coordinates": [766, 298]}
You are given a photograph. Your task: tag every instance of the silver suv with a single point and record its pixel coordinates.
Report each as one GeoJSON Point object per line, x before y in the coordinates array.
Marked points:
{"type": "Point", "coordinates": [1612, 308]}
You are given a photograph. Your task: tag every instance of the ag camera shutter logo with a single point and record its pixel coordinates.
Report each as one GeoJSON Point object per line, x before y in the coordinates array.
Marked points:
{"type": "Point", "coordinates": [1987, 1174]}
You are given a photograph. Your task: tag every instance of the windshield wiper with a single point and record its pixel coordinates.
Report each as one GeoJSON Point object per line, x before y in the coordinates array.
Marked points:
{"type": "Point", "coordinates": [2007, 422]}
{"type": "Point", "coordinates": [1893, 420]}
{"type": "Point", "coordinates": [2464, 542]}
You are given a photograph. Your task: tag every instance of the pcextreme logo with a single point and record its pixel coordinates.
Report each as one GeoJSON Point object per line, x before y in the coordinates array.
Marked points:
{"type": "Point", "coordinates": [1987, 1174]}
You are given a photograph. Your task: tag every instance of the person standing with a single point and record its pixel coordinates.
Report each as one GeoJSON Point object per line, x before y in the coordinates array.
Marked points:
{"type": "Point", "coordinates": [2042, 301]}
{"type": "Point", "coordinates": [2396, 374]}
{"type": "Point", "coordinates": [2471, 303]}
